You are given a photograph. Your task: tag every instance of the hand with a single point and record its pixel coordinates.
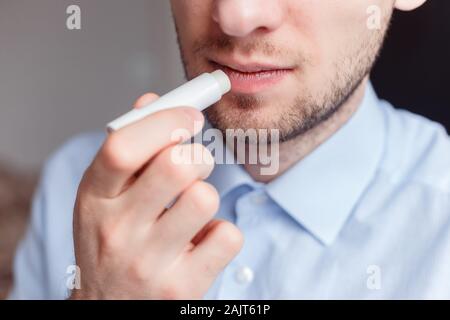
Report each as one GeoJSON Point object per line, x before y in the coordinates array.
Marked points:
{"type": "Point", "coordinates": [127, 244]}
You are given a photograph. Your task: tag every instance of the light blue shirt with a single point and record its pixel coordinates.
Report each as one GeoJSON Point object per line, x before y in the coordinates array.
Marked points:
{"type": "Point", "coordinates": [365, 216]}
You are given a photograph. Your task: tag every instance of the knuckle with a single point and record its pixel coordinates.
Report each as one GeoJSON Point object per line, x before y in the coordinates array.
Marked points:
{"type": "Point", "coordinates": [86, 205]}
{"type": "Point", "coordinates": [85, 184]}
{"type": "Point", "coordinates": [203, 158]}
{"type": "Point", "coordinates": [192, 159]}
{"type": "Point", "coordinates": [115, 155]}
{"type": "Point", "coordinates": [174, 169]}
{"type": "Point", "coordinates": [204, 198]}
{"type": "Point", "coordinates": [110, 240]}
{"type": "Point", "coordinates": [83, 204]}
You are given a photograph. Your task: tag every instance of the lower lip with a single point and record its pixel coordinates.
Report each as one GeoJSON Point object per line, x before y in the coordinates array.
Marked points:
{"type": "Point", "coordinates": [254, 82]}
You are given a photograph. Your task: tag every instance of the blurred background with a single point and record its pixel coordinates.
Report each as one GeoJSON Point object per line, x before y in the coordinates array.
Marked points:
{"type": "Point", "coordinates": [55, 82]}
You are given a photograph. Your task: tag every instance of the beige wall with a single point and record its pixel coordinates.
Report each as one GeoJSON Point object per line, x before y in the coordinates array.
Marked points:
{"type": "Point", "coordinates": [55, 83]}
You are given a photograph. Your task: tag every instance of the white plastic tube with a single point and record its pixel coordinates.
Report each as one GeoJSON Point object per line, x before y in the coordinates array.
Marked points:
{"type": "Point", "coordinates": [199, 93]}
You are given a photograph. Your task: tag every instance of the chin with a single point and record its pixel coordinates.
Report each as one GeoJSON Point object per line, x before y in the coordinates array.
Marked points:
{"type": "Point", "coordinates": [231, 115]}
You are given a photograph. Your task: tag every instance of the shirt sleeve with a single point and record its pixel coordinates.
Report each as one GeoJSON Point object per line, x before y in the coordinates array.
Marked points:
{"type": "Point", "coordinates": [30, 279]}
{"type": "Point", "coordinates": [46, 250]}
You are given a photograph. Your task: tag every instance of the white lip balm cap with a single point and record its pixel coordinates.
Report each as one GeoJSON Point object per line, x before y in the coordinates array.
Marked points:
{"type": "Point", "coordinates": [223, 80]}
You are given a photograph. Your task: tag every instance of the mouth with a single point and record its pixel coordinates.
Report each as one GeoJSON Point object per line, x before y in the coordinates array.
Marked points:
{"type": "Point", "coordinates": [252, 78]}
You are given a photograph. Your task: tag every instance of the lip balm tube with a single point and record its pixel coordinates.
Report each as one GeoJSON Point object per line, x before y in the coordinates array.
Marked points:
{"type": "Point", "coordinates": [199, 93]}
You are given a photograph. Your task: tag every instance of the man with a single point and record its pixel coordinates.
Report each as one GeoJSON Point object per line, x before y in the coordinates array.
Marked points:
{"type": "Point", "coordinates": [359, 208]}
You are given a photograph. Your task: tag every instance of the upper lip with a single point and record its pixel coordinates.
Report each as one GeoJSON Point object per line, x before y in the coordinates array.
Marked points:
{"type": "Point", "coordinates": [248, 67]}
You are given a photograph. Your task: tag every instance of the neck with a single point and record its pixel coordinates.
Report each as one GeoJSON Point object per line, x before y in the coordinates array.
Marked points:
{"type": "Point", "coordinates": [293, 151]}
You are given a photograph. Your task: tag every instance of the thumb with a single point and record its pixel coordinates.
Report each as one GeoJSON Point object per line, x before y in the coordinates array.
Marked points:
{"type": "Point", "coordinates": [145, 100]}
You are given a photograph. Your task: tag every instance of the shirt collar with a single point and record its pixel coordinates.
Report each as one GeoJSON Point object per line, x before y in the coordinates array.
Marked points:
{"type": "Point", "coordinates": [320, 191]}
{"type": "Point", "coordinates": [227, 177]}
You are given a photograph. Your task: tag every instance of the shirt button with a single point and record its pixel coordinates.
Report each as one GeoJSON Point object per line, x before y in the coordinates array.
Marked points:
{"type": "Point", "coordinates": [259, 198]}
{"type": "Point", "coordinates": [244, 275]}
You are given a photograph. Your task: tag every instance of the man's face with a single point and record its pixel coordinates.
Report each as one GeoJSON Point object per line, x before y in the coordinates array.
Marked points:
{"type": "Point", "coordinates": [292, 63]}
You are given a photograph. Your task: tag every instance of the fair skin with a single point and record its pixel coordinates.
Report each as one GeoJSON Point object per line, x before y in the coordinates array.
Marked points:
{"type": "Point", "coordinates": [127, 244]}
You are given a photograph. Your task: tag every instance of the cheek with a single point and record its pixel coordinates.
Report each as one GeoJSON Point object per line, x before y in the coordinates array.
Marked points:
{"type": "Point", "coordinates": [320, 26]}
{"type": "Point", "coordinates": [331, 29]}
{"type": "Point", "coordinates": [193, 18]}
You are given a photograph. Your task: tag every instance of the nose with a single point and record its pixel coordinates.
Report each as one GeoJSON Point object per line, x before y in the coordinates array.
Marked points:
{"type": "Point", "coordinates": [240, 18]}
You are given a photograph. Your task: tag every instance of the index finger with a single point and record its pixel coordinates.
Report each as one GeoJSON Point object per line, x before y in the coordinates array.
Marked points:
{"type": "Point", "coordinates": [127, 150]}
